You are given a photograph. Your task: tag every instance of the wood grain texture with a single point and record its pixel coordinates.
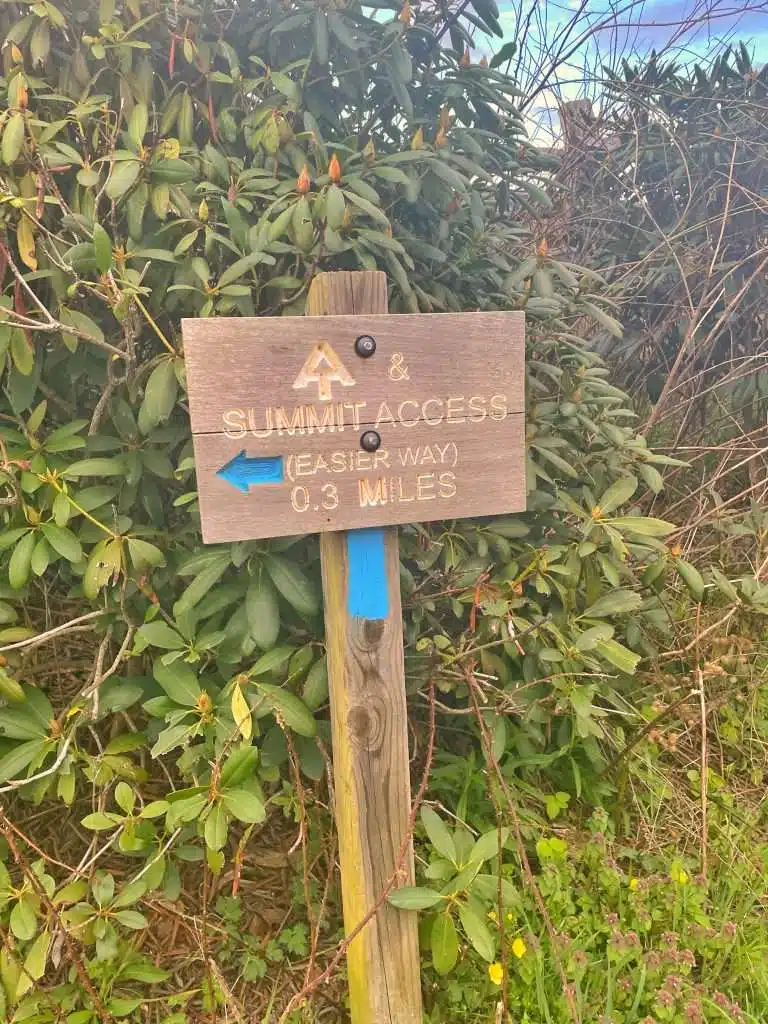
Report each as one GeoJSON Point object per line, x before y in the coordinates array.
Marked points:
{"type": "Point", "coordinates": [253, 362]}
{"type": "Point", "coordinates": [370, 746]}
{"type": "Point", "coordinates": [451, 424]}
{"type": "Point", "coordinates": [418, 476]}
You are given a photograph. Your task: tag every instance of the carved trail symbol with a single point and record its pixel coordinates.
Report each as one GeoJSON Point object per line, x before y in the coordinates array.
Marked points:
{"type": "Point", "coordinates": [322, 367]}
{"type": "Point", "coordinates": [243, 472]}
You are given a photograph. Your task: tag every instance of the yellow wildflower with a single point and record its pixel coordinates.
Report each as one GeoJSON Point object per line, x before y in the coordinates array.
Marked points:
{"type": "Point", "coordinates": [510, 917]}
{"type": "Point", "coordinates": [633, 883]}
{"type": "Point", "coordinates": [496, 973]}
{"type": "Point", "coordinates": [519, 948]}
{"type": "Point", "coordinates": [492, 915]}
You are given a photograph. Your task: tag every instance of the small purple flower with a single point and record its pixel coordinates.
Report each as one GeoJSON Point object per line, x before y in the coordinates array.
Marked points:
{"type": "Point", "coordinates": [665, 998]}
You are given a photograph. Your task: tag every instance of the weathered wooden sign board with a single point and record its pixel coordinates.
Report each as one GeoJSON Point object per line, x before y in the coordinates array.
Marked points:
{"type": "Point", "coordinates": [342, 423]}
{"type": "Point", "coordinates": [327, 423]}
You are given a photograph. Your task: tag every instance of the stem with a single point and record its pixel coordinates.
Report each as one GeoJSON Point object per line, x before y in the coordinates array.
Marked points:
{"type": "Point", "coordinates": [48, 479]}
{"type": "Point", "coordinates": [153, 325]}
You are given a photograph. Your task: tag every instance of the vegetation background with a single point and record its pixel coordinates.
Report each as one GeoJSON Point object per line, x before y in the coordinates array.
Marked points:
{"type": "Point", "coordinates": [584, 680]}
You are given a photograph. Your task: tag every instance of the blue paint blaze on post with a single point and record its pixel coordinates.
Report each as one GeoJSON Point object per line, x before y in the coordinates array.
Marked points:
{"type": "Point", "coordinates": [367, 593]}
{"type": "Point", "coordinates": [243, 472]}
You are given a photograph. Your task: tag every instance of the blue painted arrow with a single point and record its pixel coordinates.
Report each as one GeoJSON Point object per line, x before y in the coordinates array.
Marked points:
{"type": "Point", "coordinates": [243, 472]}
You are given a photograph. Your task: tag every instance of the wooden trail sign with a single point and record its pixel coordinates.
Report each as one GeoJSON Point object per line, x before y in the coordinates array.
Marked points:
{"type": "Point", "coordinates": [346, 422]}
{"type": "Point", "coordinates": [295, 432]}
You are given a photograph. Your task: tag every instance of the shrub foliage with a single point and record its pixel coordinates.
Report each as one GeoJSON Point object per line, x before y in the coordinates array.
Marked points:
{"type": "Point", "coordinates": [160, 161]}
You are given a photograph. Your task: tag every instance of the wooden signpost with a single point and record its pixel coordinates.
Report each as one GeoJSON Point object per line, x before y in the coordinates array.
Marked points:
{"type": "Point", "coordinates": [344, 423]}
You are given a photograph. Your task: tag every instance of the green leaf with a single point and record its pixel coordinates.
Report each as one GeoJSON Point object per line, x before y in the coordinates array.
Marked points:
{"type": "Point", "coordinates": [506, 53]}
{"type": "Point", "coordinates": [102, 245]}
{"type": "Point", "coordinates": [100, 821]}
{"type": "Point", "coordinates": [488, 845]}
{"type": "Point", "coordinates": [477, 932]}
{"type": "Point", "coordinates": [216, 827]}
{"type": "Point", "coordinates": [179, 681]}
{"type": "Point", "coordinates": [646, 526]}
{"type": "Point", "coordinates": [138, 124]}
{"type": "Point", "coordinates": [367, 207]}
{"type": "Point", "coordinates": [414, 897]}
{"type": "Point", "coordinates": [315, 692]}
{"type": "Point", "coordinates": [590, 637]}
{"type": "Point", "coordinates": [160, 395]}
{"type": "Point", "coordinates": [121, 1006]}
{"type": "Point", "coordinates": [13, 138]}
{"type": "Point", "coordinates": [13, 763]}
{"type": "Point", "coordinates": [23, 920]}
{"type": "Point", "coordinates": [103, 887]}
{"type": "Point", "coordinates": [725, 585]}
{"type": "Point", "coordinates": [63, 541]}
{"type": "Point", "coordinates": [445, 944]}
{"type": "Point", "coordinates": [293, 585]}
{"type": "Point", "coordinates": [335, 207]}
{"type": "Point", "coordinates": [438, 834]}
{"type": "Point", "coordinates": [154, 809]}
{"type": "Point", "coordinates": [288, 707]}
{"type": "Point", "coordinates": [143, 554]}
{"type": "Point", "coordinates": [22, 353]}
{"type": "Point", "coordinates": [239, 766]}
{"type": "Point", "coordinates": [652, 477]}
{"type": "Point", "coordinates": [262, 612]}
{"type": "Point", "coordinates": [96, 467]}
{"type": "Point", "coordinates": [618, 602]}
{"type": "Point", "coordinates": [244, 805]}
{"type": "Point", "coordinates": [130, 893]}
{"type": "Point", "coordinates": [37, 955]}
{"type": "Point", "coordinates": [625, 660]}
{"type": "Point", "coordinates": [486, 887]}
{"type": "Point", "coordinates": [17, 759]}
{"type": "Point", "coordinates": [241, 267]}
{"type": "Point", "coordinates": [617, 494]}
{"type": "Point", "coordinates": [203, 582]}
{"type": "Point", "coordinates": [125, 797]}
{"type": "Point", "coordinates": [131, 919]}
{"type": "Point", "coordinates": [81, 323]}
{"type": "Point", "coordinates": [20, 563]}
{"type": "Point", "coordinates": [272, 660]}
{"type": "Point", "coordinates": [158, 634]}
{"type": "Point", "coordinates": [124, 176]}
{"type": "Point", "coordinates": [691, 577]}
{"type": "Point", "coordinates": [174, 736]}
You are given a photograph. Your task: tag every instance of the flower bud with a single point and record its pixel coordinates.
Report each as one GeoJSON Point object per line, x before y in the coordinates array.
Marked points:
{"type": "Point", "coordinates": [303, 182]}
{"type": "Point", "coordinates": [334, 170]}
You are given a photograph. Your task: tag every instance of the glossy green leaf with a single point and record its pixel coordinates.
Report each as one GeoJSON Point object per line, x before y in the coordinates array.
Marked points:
{"type": "Point", "coordinates": [414, 897]}
{"type": "Point", "coordinates": [444, 942]}
{"type": "Point", "coordinates": [477, 932]}
{"type": "Point", "coordinates": [438, 833]}
{"type": "Point", "coordinates": [122, 178]}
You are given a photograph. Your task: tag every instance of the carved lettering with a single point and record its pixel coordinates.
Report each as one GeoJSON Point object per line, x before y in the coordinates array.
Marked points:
{"type": "Point", "coordinates": [432, 421]}
{"type": "Point", "coordinates": [234, 421]}
{"type": "Point", "coordinates": [498, 409]}
{"type": "Point", "coordinates": [267, 420]}
{"type": "Point", "coordinates": [477, 409]}
{"type": "Point", "coordinates": [455, 407]}
{"type": "Point", "coordinates": [285, 424]}
{"type": "Point", "coordinates": [330, 419]}
{"type": "Point", "coordinates": [402, 415]}
{"type": "Point", "coordinates": [447, 485]}
{"type": "Point", "coordinates": [372, 494]}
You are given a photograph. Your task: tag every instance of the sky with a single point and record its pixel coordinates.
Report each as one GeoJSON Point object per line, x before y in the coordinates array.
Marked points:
{"type": "Point", "coordinates": [690, 29]}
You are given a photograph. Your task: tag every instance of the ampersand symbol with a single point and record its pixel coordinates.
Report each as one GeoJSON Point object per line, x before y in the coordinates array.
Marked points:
{"type": "Point", "coordinates": [397, 368]}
